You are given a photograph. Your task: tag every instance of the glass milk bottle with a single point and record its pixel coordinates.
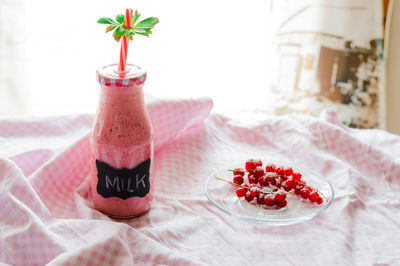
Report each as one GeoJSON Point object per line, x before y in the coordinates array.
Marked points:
{"type": "Point", "coordinates": [122, 144]}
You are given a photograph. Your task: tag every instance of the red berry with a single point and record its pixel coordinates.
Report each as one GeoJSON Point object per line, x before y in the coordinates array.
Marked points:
{"type": "Point", "coordinates": [258, 171]}
{"type": "Point", "coordinates": [262, 181]}
{"type": "Point", "coordinates": [255, 191]}
{"type": "Point", "coordinates": [297, 191]}
{"type": "Point", "coordinates": [305, 192]}
{"type": "Point", "coordinates": [259, 163]}
{"type": "Point", "coordinates": [280, 170]}
{"type": "Point", "coordinates": [240, 192]}
{"type": "Point", "coordinates": [296, 176]}
{"type": "Point", "coordinates": [280, 196]}
{"type": "Point", "coordinates": [288, 171]}
{"type": "Point", "coordinates": [238, 171]}
{"type": "Point", "coordinates": [270, 177]}
{"type": "Point", "coordinates": [238, 179]}
{"type": "Point", "coordinates": [313, 197]}
{"type": "Point", "coordinates": [260, 199]}
{"type": "Point", "coordinates": [291, 183]}
{"type": "Point", "coordinates": [270, 167]}
{"type": "Point", "coordinates": [269, 200]}
{"type": "Point", "coordinates": [281, 203]}
{"type": "Point", "coordinates": [300, 184]}
{"type": "Point", "coordinates": [320, 200]}
{"type": "Point", "coordinates": [252, 178]}
{"type": "Point", "coordinates": [288, 185]}
{"type": "Point", "coordinates": [250, 165]}
{"type": "Point", "coordinates": [278, 182]}
{"type": "Point", "coordinates": [273, 180]}
{"type": "Point", "coordinates": [248, 196]}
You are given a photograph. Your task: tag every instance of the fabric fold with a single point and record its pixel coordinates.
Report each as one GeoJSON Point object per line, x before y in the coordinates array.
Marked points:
{"type": "Point", "coordinates": [46, 214]}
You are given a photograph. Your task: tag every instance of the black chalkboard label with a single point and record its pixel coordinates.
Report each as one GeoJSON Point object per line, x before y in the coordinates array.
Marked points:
{"type": "Point", "coordinates": [123, 183]}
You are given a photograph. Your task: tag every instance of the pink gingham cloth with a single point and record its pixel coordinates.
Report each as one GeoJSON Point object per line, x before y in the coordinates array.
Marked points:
{"type": "Point", "coordinates": [47, 217]}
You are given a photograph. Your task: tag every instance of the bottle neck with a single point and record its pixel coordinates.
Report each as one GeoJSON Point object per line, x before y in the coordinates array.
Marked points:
{"type": "Point", "coordinates": [122, 96]}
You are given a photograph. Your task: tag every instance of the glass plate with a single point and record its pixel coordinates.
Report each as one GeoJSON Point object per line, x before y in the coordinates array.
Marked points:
{"type": "Point", "coordinates": [298, 210]}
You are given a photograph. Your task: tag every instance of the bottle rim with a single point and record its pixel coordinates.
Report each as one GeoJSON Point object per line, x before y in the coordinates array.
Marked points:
{"type": "Point", "coordinates": [109, 75]}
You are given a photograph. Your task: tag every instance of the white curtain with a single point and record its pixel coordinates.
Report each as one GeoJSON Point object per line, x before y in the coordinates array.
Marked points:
{"type": "Point", "coordinates": [51, 49]}
{"type": "Point", "coordinates": [13, 57]}
{"type": "Point", "coordinates": [254, 58]}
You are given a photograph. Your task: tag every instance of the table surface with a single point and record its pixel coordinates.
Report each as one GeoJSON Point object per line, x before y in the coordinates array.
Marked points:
{"type": "Point", "coordinates": [46, 214]}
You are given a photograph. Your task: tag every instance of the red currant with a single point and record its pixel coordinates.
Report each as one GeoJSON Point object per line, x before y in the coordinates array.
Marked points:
{"type": "Point", "coordinates": [296, 176]}
{"type": "Point", "coordinates": [258, 171]}
{"type": "Point", "coordinates": [300, 184]}
{"type": "Point", "coordinates": [280, 196]}
{"type": "Point", "coordinates": [291, 183]}
{"type": "Point", "coordinates": [277, 169]}
{"type": "Point", "coordinates": [250, 165]}
{"type": "Point", "coordinates": [248, 196]}
{"type": "Point", "coordinates": [262, 181]}
{"type": "Point", "coordinates": [238, 179]}
{"type": "Point", "coordinates": [240, 192]}
{"type": "Point", "coordinates": [288, 171]}
{"type": "Point", "coordinates": [320, 200]}
{"type": "Point", "coordinates": [280, 170]}
{"type": "Point", "coordinates": [269, 200]}
{"type": "Point", "coordinates": [281, 203]}
{"type": "Point", "coordinates": [278, 182]}
{"type": "Point", "coordinates": [282, 179]}
{"type": "Point", "coordinates": [260, 199]}
{"type": "Point", "coordinates": [255, 191]}
{"type": "Point", "coordinates": [270, 168]}
{"type": "Point", "coordinates": [313, 197]}
{"type": "Point", "coordinates": [238, 171]}
{"type": "Point", "coordinates": [270, 177]}
{"type": "Point", "coordinates": [252, 178]}
{"type": "Point", "coordinates": [288, 185]}
{"type": "Point", "coordinates": [305, 192]}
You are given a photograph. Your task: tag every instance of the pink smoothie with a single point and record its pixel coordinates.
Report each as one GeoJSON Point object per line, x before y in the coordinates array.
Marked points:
{"type": "Point", "coordinates": [122, 138]}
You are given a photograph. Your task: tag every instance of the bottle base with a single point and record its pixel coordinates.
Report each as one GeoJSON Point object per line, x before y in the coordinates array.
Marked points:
{"type": "Point", "coordinates": [127, 217]}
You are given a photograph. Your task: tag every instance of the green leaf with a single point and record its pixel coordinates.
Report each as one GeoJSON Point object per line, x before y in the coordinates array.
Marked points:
{"type": "Point", "coordinates": [120, 18]}
{"type": "Point", "coordinates": [148, 23]}
{"type": "Point", "coordinates": [106, 21]}
{"type": "Point", "coordinates": [118, 33]}
{"type": "Point", "coordinates": [129, 34]}
{"type": "Point", "coordinates": [135, 17]}
{"type": "Point", "coordinates": [143, 27]}
{"type": "Point", "coordinates": [144, 32]}
{"type": "Point", "coordinates": [110, 28]}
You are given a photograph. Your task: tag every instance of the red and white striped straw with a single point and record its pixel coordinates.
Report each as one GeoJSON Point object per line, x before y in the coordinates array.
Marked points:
{"type": "Point", "coordinates": [124, 43]}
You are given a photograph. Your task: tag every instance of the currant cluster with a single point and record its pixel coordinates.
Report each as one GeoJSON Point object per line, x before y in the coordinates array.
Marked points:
{"type": "Point", "coordinates": [270, 186]}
